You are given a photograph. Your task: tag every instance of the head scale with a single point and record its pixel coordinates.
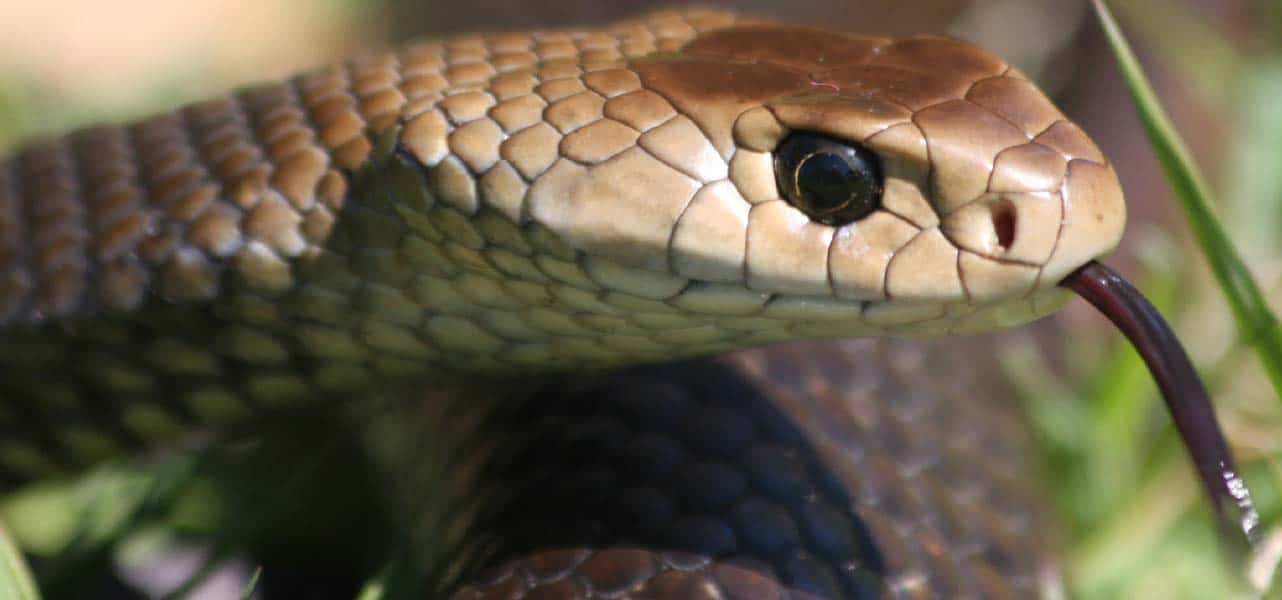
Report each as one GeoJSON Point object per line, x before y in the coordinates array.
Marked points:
{"type": "Point", "coordinates": [662, 200]}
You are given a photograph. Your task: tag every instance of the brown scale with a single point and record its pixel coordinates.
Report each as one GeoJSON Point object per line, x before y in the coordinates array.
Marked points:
{"type": "Point", "coordinates": [151, 267]}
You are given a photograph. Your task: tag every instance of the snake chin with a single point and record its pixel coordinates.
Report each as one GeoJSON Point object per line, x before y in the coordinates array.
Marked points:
{"type": "Point", "coordinates": [814, 317]}
{"type": "Point", "coordinates": [784, 318]}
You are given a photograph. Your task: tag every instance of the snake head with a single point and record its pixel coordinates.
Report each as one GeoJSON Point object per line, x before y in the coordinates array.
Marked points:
{"type": "Point", "coordinates": [632, 195]}
{"type": "Point", "coordinates": [989, 191]}
{"type": "Point", "coordinates": [987, 196]}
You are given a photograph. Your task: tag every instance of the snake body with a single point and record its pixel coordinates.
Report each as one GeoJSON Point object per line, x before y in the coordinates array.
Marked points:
{"type": "Point", "coordinates": [495, 208]}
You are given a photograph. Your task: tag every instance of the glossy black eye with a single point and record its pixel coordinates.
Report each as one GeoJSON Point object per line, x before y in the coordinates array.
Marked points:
{"type": "Point", "coordinates": [832, 181]}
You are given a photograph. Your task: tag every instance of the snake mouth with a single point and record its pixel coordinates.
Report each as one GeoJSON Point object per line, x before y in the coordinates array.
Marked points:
{"type": "Point", "coordinates": [1185, 394]}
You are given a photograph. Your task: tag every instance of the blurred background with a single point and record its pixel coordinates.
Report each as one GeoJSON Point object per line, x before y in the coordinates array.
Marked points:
{"type": "Point", "coordinates": [1132, 522]}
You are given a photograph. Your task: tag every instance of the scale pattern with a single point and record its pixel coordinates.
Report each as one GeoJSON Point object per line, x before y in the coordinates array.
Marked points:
{"type": "Point", "coordinates": [820, 470]}
{"type": "Point", "coordinates": [512, 203]}
{"type": "Point", "coordinates": [96, 220]}
{"type": "Point", "coordinates": [502, 204]}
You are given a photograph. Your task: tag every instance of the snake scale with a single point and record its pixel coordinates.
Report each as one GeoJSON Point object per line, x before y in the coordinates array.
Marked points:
{"type": "Point", "coordinates": [513, 221]}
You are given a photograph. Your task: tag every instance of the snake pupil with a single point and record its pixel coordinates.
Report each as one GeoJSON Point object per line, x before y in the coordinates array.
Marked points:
{"type": "Point", "coordinates": [825, 179]}
{"type": "Point", "coordinates": [832, 181]}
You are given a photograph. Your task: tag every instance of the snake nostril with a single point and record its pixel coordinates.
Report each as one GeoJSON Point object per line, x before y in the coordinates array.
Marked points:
{"type": "Point", "coordinates": [1004, 224]}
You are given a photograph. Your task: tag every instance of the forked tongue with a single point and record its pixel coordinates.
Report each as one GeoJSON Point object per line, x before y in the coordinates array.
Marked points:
{"type": "Point", "coordinates": [1185, 395]}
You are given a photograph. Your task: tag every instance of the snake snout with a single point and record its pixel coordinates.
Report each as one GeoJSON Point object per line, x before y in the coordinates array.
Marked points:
{"type": "Point", "coordinates": [1050, 231]}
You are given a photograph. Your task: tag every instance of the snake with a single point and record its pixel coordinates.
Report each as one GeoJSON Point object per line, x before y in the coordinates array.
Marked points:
{"type": "Point", "coordinates": [594, 252]}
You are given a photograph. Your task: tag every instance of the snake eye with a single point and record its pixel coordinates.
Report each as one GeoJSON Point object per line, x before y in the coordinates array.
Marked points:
{"type": "Point", "coordinates": [832, 181]}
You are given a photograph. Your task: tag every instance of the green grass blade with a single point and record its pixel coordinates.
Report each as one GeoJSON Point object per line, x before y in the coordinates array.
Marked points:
{"type": "Point", "coordinates": [16, 582]}
{"type": "Point", "coordinates": [252, 586]}
{"type": "Point", "coordinates": [1257, 325]}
